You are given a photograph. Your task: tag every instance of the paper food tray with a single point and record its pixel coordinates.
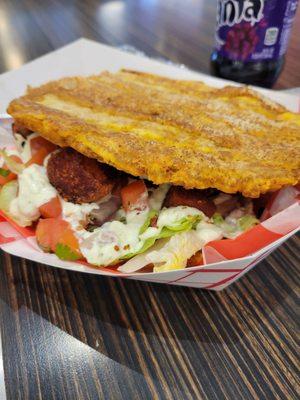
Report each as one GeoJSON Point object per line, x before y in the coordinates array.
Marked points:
{"type": "Point", "coordinates": [225, 260]}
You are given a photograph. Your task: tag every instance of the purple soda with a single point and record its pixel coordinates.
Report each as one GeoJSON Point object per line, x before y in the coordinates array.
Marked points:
{"type": "Point", "coordinates": [251, 39]}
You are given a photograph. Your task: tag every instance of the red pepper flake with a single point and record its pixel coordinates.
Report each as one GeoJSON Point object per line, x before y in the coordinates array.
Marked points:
{"type": "Point", "coordinates": [117, 248]}
{"type": "Point", "coordinates": [126, 247]}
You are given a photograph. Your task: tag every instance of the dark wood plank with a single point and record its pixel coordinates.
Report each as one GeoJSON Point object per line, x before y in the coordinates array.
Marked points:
{"type": "Point", "coordinates": [75, 336]}
{"type": "Point", "coordinates": [181, 32]}
{"type": "Point", "coordinates": [71, 335]}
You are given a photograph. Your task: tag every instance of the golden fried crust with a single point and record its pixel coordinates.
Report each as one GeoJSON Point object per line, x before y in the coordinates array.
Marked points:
{"type": "Point", "coordinates": [182, 132]}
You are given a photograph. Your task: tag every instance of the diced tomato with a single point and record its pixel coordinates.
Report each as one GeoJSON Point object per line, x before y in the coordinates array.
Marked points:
{"type": "Point", "coordinates": [11, 176]}
{"type": "Point", "coordinates": [53, 231]}
{"type": "Point", "coordinates": [38, 157]}
{"type": "Point", "coordinates": [39, 142]}
{"type": "Point", "coordinates": [134, 196]}
{"type": "Point", "coordinates": [40, 148]}
{"type": "Point", "coordinates": [48, 232]}
{"type": "Point", "coordinates": [69, 239]}
{"type": "Point", "coordinates": [16, 158]}
{"type": "Point", "coordinates": [52, 209]}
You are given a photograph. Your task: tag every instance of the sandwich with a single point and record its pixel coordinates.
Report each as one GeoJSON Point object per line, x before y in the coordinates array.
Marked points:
{"type": "Point", "coordinates": [138, 172]}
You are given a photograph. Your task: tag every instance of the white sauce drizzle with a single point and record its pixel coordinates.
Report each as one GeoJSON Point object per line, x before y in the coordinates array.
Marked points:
{"type": "Point", "coordinates": [34, 191]}
{"type": "Point", "coordinates": [114, 239]}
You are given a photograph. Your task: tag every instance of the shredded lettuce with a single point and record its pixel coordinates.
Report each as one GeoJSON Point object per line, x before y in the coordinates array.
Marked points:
{"type": "Point", "coordinates": [246, 222]}
{"type": "Point", "coordinates": [146, 245]}
{"type": "Point", "coordinates": [217, 219]}
{"type": "Point", "coordinates": [4, 172]}
{"type": "Point", "coordinates": [184, 225]}
{"type": "Point", "coordinates": [65, 253]}
{"type": "Point", "coordinates": [8, 192]}
{"type": "Point", "coordinates": [232, 230]}
{"type": "Point", "coordinates": [13, 166]}
{"type": "Point", "coordinates": [176, 252]}
{"type": "Point", "coordinates": [147, 222]}
{"type": "Point", "coordinates": [208, 232]}
{"type": "Point", "coordinates": [173, 252]}
{"type": "Point", "coordinates": [227, 228]}
{"type": "Point", "coordinates": [167, 254]}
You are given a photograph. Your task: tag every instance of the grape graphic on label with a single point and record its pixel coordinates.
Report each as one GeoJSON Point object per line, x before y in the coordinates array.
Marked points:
{"type": "Point", "coordinates": [241, 41]}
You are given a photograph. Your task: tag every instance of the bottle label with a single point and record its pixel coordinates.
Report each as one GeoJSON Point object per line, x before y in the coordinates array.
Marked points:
{"type": "Point", "coordinates": [254, 30]}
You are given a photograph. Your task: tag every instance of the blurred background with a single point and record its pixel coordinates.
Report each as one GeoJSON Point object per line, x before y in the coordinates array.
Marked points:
{"type": "Point", "coordinates": [182, 31]}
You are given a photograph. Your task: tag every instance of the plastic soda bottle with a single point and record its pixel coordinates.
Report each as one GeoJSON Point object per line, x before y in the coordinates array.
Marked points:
{"type": "Point", "coordinates": [251, 39]}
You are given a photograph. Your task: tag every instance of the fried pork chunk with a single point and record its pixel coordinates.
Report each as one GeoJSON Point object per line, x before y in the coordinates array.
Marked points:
{"type": "Point", "coordinates": [80, 179]}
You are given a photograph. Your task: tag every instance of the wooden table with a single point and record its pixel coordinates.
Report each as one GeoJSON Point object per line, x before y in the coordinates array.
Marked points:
{"type": "Point", "coordinates": [74, 336]}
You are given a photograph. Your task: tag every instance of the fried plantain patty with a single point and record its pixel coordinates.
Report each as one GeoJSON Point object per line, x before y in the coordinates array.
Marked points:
{"type": "Point", "coordinates": [80, 179]}
{"type": "Point", "coordinates": [170, 131]}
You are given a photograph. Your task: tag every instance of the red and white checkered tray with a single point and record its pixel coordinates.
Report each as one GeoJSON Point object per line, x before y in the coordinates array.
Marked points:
{"type": "Point", "coordinates": [225, 261]}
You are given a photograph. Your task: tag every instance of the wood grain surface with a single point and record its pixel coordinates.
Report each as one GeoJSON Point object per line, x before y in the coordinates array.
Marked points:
{"type": "Point", "coordinates": [69, 335]}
